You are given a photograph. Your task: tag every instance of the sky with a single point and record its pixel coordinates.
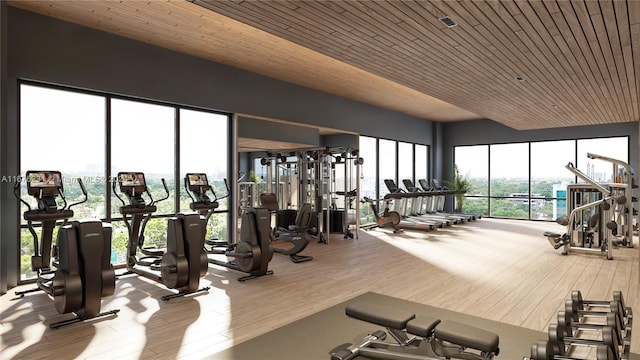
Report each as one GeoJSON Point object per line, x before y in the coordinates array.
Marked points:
{"type": "Point", "coordinates": [66, 130]}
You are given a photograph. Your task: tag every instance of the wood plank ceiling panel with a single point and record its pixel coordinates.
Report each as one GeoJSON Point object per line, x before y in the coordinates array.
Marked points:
{"type": "Point", "coordinates": [578, 61]}
{"type": "Point", "coordinates": [577, 58]}
{"type": "Point", "coordinates": [191, 29]}
{"type": "Point", "coordinates": [578, 66]}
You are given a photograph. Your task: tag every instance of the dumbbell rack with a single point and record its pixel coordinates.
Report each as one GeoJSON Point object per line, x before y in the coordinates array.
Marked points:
{"type": "Point", "coordinates": [577, 336]}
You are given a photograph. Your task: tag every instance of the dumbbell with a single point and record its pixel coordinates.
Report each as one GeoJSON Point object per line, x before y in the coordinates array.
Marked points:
{"type": "Point", "coordinates": [544, 351]}
{"type": "Point", "coordinates": [576, 296]}
{"type": "Point", "coordinates": [560, 344]}
{"type": "Point", "coordinates": [570, 328]}
{"type": "Point", "coordinates": [577, 311]}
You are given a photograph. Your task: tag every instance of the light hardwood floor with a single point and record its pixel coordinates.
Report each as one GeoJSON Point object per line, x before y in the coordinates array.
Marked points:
{"type": "Point", "coordinates": [501, 270]}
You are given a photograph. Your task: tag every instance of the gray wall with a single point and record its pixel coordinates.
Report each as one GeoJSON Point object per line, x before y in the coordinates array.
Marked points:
{"type": "Point", "coordinates": [44, 49]}
{"type": "Point", "coordinates": [273, 131]}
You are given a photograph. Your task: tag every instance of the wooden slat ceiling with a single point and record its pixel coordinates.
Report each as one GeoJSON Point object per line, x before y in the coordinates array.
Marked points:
{"type": "Point", "coordinates": [580, 60]}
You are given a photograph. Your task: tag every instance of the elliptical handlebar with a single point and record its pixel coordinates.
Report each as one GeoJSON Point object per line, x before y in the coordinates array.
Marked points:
{"type": "Point", "coordinates": [64, 200]}
{"type": "Point", "coordinates": [115, 192]}
{"type": "Point", "coordinates": [84, 192]}
{"type": "Point", "coordinates": [134, 185]}
{"type": "Point", "coordinates": [16, 192]}
{"type": "Point", "coordinates": [186, 186]}
{"type": "Point", "coordinates": [166, 189]}
{"type": "Point", "coordinates": [226, 185]}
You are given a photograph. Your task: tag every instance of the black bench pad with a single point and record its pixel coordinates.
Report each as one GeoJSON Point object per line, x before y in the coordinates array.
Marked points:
{"type": "Point", "coordinates": [467, 336]}
{"type": "Point", "coordinates": [380, 315]}
{"type": "Point", "coordinates": [422, 325]}
{"type": "Point", "coordinates": [551, 234]}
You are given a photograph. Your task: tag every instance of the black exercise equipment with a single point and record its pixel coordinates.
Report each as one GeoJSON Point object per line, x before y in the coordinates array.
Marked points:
{"type": "Point", "coordinates": [181, 265]}
{"type": "Point", "coordinates": [544, 350]}
{"type": "Point", "coordinates": [578, 308]}
{"type": "Point", "coordinates": [569, 327]}
{"type": "Point", "coordinates": [415, 337]}
{"type": "Point", "coordinates": [297, 234]}
{"type": "Point", "coordinates": [610, 335]}
{"type": "Point", "coordinates": [83, 273]}
{"type": "Point", "coordinates": [349, 197]}
{"type": "Point", "coordinates": [197, 186]}
{"type": "Point", "coordinates": [253, 252]}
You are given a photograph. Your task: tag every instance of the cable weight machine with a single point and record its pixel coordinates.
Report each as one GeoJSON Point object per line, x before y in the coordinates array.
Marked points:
{"type": "Point", "coordinates": [622, 189]}
{"type": "Point", "coordinates": [591, 223]}
{"type": "Point", "coordinates": [309, 176]}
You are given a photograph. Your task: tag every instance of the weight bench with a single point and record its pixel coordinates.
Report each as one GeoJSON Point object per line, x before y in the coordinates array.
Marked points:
{"type": "Point", "coordinates": [417, 337]}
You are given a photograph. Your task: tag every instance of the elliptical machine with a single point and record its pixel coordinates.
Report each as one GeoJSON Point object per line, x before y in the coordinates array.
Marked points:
{"type": "Point", "coordinates": [184, 261]}
{"type": "Point", "coordinates": [83, 273]}
{"type": "Point", "coordinates": [253, 252]}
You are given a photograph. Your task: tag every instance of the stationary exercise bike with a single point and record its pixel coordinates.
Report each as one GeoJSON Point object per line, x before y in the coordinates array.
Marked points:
{"type": "Point", "coordinates": [82, 272]}
{"type": "Point", "coordinates": [253, 252]}
{"type": "Point", "coordinates": [388, 218]}
{"type": "Point", "coordinates": [181, 265]}
{"type": "Point", "coordinates": [297, 234]}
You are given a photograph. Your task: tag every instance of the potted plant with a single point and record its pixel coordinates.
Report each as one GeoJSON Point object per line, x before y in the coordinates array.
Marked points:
{"type": "Point", "coordinates": [459, 183]}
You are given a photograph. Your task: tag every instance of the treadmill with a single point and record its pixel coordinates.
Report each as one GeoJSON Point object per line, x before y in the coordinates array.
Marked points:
{"type": "Point", "coordinates": [401, 201]}
{"type": "Point", "coordinates": [440, 192]}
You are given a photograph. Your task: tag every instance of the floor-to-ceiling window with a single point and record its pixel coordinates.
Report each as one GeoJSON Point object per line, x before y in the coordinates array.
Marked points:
{"type": "Point", "coordinates": [549, 177]}
{"type": "Point", "coordinates": [388, 164]}
{"type": "Point", "coordinates": [389, 159]}
{"type": "Point", "coordinates": [509, 180]}
{"type": "Point", "coordinates": [422, 164]}
{"type": "Point", "coordinates": [529, 180]}
{"type": "Point", "coordinates": [142, 138]}
{"type": "Point", "coordinates": [69, 131]}
{"type": "Point", "coordinates": [596, 168]}
{"type": "Point", "coordinates": [406, 163]}
{"type": "Point", "coordinates": [473, 163]}
{"type": "Point", "coordinates": [62, 131]}
{"type": "Point", "coordinates": [197, 156]}
{"type": "Point", "coordinates": [368, 176]}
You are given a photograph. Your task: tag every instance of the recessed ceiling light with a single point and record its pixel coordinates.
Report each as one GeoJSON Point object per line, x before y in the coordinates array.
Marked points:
{"type": "Point", "coordinates": [448, 21]}
{"type": "Point", "coordinates": [519, 78]}
{"type": "Point", "coordinates": [552, 106]}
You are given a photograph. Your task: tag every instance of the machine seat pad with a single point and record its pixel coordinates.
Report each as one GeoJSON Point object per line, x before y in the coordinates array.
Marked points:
{"type": "Point", "coordinates": [551, 234]}
{"type": "Point", "coordinates": [381, 315]}
{"type": "Point", "coordinates": [467, 336]}
{"type": "Point", "coordinates": [422, 325]}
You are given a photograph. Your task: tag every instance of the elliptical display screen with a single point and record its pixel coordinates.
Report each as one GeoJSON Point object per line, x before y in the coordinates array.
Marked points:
{"type": "Point", "coordinates": [43, 182]}
{"type": "Point", "coordinates": [197, 181]}
{"type": "Point", "coordinates": [131, 182]}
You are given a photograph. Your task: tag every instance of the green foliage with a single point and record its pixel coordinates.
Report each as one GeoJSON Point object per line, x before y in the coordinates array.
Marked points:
{"type": "Point", "coordinates": [253, 177]}
{"type": "Point", "coordinates": [460, 183]}
{"type": "Point", "coordinates": [479, 206]}
{"type": "Point", "coordinates": [25, 267]}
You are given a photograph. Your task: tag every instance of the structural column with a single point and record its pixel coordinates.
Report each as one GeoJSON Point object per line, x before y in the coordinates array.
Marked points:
{"type": "Point", "coordinates": [3, 122]}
